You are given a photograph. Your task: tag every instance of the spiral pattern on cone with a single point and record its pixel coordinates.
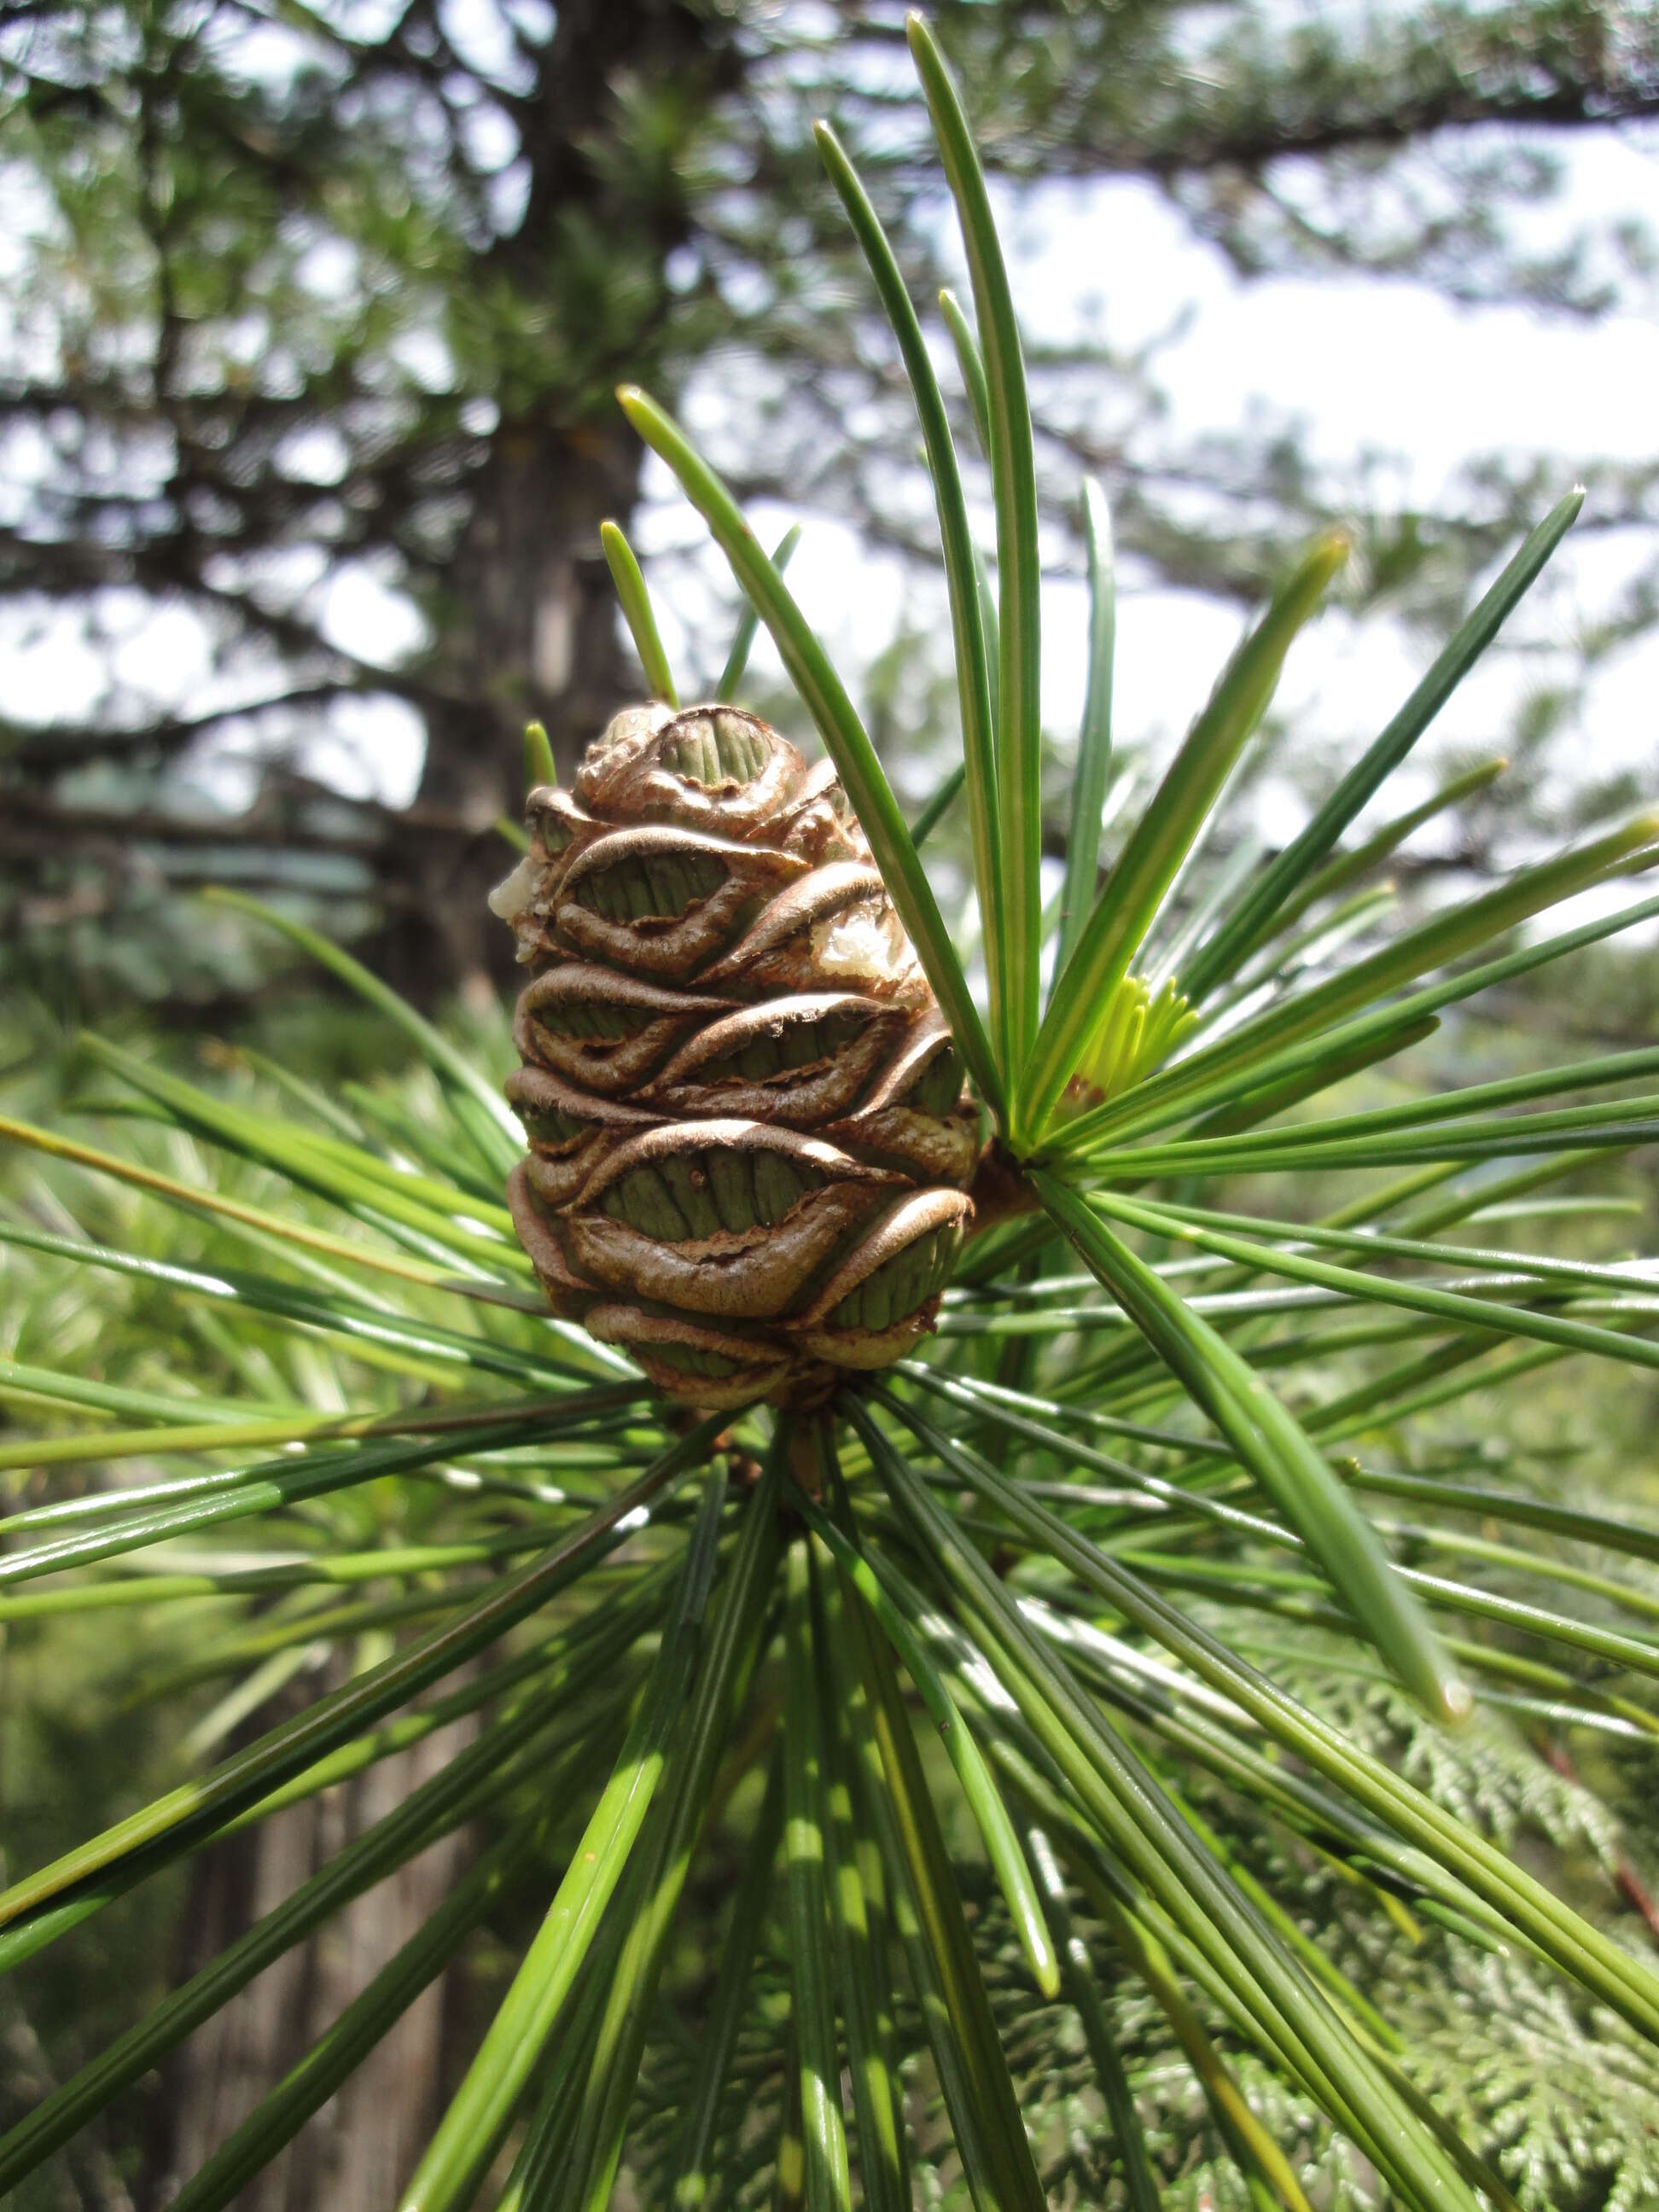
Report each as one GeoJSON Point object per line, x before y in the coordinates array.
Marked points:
{"type": "Point", "coordinates": [749, 1139]}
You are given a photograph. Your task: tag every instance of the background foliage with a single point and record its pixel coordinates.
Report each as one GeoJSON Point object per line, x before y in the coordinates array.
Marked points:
{"type": "Point", "coordinates": [313, 313]}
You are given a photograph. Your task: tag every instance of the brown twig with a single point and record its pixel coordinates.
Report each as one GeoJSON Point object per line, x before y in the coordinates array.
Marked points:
{"type": "Point", "coordinates": [999, 1190]}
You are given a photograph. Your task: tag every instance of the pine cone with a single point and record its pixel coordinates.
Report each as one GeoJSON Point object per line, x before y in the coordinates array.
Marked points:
{"type": "Point", "coordinates": [749, 1137]}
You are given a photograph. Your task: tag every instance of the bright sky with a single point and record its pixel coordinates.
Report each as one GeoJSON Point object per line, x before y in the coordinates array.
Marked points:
{"type": "Point", "coordinates": [1386, 371]}
{"type": "Point", "coordinates": [1392, 371]}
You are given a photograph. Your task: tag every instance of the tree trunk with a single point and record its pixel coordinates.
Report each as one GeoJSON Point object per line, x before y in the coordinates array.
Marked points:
{"type": "Point", "coordinates": [531, 628]}
{"type": "Point", "coordinates": [355, 2154]}
{"type": "Point", "coordinates": [533, 637]}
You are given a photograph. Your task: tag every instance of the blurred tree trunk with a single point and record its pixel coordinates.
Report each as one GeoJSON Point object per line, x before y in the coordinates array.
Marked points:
{"type": "Point", "coordinates": [530, 634]}
{"type": "Point", "coordinates": [528, 624]}
{"type": "Point", "coordinates": [354, 2154]}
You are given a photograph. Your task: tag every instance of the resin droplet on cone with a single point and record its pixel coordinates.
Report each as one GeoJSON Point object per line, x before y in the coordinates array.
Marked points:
{"type": "Point", "coordinates": [749, 1137]}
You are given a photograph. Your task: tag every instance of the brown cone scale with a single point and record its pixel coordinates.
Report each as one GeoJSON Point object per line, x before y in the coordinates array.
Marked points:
{"type": "Point", "coordinates": [750, 1142]}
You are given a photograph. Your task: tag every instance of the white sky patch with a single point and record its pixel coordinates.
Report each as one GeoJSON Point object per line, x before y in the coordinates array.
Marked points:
{"type": "Point", "coordinates": [318, 454]}
{"type": "Point", "coordinates": [48, 670]}
{"type": "Point", "coordinates": [369, 619]}
{"type": "Point", "coordinates": [370, 748]}
{"type": "Point", "coordinates": [1391, 385]}
{"type": "Point", "coordinates": [166, 651]}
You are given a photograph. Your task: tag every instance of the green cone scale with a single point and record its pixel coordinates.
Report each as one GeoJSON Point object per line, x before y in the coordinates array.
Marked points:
{"type": "Point", "coordinates": [749, 1139]}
